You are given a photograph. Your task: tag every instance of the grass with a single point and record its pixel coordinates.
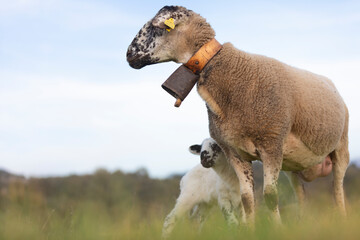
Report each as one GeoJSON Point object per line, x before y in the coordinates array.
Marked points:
{"type": "Point", "coordinates": [93, 221]}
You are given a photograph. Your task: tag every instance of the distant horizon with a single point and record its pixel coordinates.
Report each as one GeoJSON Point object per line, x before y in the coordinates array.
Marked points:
{"type": "Point", "coordinates": [355, 162]}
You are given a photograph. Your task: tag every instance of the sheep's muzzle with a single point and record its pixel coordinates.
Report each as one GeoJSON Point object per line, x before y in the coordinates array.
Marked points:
{"type": "Point", "coordinates": [206, 160]}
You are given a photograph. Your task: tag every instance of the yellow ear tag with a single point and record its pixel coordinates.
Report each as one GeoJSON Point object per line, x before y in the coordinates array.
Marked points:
{"type": "Point", "coordinates": [170, 23]}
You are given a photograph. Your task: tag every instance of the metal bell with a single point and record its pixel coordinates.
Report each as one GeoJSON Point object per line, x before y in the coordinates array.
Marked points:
{"type": "Point", "coordinates": [180, 83]}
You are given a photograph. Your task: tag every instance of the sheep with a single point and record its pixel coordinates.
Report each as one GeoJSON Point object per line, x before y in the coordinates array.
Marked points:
{"type": "Point", "coordinates": [214, 180]}
{"type": "Point", "coordinates": [258, 108]}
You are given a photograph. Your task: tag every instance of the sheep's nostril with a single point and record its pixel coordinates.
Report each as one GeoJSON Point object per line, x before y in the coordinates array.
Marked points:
{"type": "Point", "coordinates": [132, 58]}
{"type": "Point", "coordinates": [129, 53]}
{"type": "Point", "coordinates": [204, 155]}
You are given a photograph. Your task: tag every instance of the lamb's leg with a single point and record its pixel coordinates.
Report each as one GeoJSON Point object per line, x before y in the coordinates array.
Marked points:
{"type": "Point", "coordinates": [272, 162]}
{"type": "Point", "coordinates": [299, 190]}
{"type": "Point", "coordinates": [245, 175]}
{"type": "Point", "coordinates": [182, 206]}
{"type": "Point", "coordinates": [169, 223]}
{"type": "Point", "coordinates": [340, 158]}
{"type": "Point", "coordinates": [227, 209]}
{"type": "Point", "coordinates": [201, 213]}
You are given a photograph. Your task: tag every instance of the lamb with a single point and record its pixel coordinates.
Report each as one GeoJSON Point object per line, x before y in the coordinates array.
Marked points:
{"type": "Point", "coordinates": [258, 108]}
{"type": "Point", "coordinates": [214, 180]}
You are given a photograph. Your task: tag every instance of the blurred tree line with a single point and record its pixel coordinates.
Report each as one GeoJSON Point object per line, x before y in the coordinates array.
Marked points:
{"type": "Point", "coordinates": [119, 193]}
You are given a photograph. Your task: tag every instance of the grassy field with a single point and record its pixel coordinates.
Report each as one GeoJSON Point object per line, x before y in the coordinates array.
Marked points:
{"type": "Point", "coordinates": [93, 221]}
{"type": "Point", "coordinates": [133, 206]}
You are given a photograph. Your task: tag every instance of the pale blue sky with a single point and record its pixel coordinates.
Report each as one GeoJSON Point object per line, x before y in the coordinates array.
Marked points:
{"type": "Point", "coordinates": [69, 102]}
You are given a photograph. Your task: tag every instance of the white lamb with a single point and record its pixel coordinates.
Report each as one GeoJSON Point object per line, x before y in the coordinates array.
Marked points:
{"type": "Point", "coordinates": [214, 180]}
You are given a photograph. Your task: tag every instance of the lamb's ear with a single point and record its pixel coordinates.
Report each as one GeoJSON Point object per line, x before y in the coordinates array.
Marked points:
{"type": "Point", "coordinates": [195, 149]}
{"type": "Point", "coordinates": [170, 16]}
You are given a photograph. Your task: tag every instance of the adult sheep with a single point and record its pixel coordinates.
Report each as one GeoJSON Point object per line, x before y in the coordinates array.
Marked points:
{"type": "Point", "coordinates": [202, 187]}
{"type": "Point", "coordinates": [258, 107]}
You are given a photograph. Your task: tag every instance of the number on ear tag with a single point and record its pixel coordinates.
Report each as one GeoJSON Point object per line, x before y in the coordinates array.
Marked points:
{"type": "Point", "coordinates": [170, 23]}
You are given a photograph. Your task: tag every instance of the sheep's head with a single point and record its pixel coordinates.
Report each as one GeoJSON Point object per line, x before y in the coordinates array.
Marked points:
{"type": "Point", "coordinates": [209, 151]}
{"type": "Point", "coordinates": [174, 34]}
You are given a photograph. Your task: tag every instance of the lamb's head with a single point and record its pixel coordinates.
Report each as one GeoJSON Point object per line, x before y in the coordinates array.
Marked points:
{"type": "Point", "coordinates": [174, 34]}
{"type": "Point", "coordinates": [210, 153]}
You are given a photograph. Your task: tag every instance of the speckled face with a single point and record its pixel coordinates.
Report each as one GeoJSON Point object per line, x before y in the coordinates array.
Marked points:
{"type": "Point", "coordinates": [142, 49]}
{"type": "Point", "coordinates": [209, 152]}
{"type": "Point", "coordinates": [151, 45]}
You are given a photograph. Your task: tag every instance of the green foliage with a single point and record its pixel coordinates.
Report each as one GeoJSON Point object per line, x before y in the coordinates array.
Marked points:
{"type": "Point", "coordinates": [130, 206]}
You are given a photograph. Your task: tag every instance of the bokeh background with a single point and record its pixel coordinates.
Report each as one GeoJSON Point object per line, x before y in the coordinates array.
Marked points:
{"type": "Point", "coordinates": [70, 103]}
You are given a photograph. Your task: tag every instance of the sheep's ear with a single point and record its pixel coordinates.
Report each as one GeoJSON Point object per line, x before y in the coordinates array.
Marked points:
{"type": "Point", "coordinates": [170, 16]}
{"type": "Point", "coordinates": [195, 149]}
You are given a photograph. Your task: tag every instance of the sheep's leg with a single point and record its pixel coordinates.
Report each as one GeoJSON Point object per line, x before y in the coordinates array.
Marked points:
{"type": "Point", "coordinates": [169, 223]}
{"type": "Point", "coordinates": [242, 213]}
{"type": "Point", "coordinates": [201, 213]}
{"type": "Point", "coordinates": [299, 190]}
{"type": "Point", "coordinates": [272, 165]}
{"type": "Point", "coordinates": [340, 160]}
{"type": "Point", "coordinates": [182, 206]}
{"type": "Point", "coordinates": [227, 209]}
{"type": "Point", "coordinates": [244, 173]}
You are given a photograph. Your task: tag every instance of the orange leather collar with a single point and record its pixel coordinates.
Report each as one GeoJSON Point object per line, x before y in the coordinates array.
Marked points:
{"type": "Point", "coordinates": [199, 60]}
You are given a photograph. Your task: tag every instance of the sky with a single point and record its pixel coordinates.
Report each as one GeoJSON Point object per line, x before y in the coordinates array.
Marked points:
{"type": "Point", "coordinates": [70, 103]}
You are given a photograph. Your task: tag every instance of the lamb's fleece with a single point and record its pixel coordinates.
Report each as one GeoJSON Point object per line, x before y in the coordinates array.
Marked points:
{"type": "Point", "coordinates": [201, 188]}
